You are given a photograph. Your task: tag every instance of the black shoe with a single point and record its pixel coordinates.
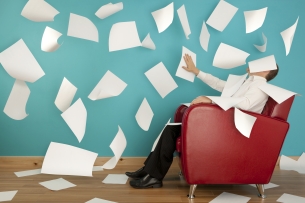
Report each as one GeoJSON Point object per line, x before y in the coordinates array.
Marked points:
{"type": "Point", "coordinates": [146, 182]}
{"type": "Point", "coordinates": [137, 174]}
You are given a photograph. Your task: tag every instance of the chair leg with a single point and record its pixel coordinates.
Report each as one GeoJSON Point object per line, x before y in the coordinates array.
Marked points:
{"type": "Point", "coordinates": [192, 191]}
{"type": "Point", "coordinates": [180, 173]}
{"type": "Point", "coordinates": [261, 191]}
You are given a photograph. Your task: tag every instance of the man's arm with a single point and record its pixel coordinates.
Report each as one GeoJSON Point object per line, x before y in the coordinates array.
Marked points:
{"type": "Point", "coordinates": [254, 99]}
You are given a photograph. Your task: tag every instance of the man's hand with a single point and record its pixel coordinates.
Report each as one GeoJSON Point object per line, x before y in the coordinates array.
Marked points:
{"type": "Point", "coordinates": [201, 99]}
{"type": "Point", "coordinates": [190, 66]}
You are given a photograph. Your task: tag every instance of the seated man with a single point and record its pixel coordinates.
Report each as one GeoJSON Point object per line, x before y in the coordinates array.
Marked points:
{"type": "Point", "coordinates": [159, 161]}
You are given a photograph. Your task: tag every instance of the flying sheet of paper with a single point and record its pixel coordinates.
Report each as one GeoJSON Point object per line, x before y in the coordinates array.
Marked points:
{"type": "Point", "coordinates": [118, 146]}
{"type": "Point", "coordinates": [98, 200]}
{"type": "Point", "coordinates": [115, 179]}
{"type": "Point", "coordinates": [19, 62]}
{"type": "Point", "coordinates": [243, 122]}
{"type": "Point", "coordinates": [277, 93]}
{"type": "Point", "coordinates": [109, 86]}
{"type": "Point", "coordinates": [267, 186]}
{"type": "Point", "coordinates": [226, 197]}
{"type": "Point", "coordinates": [226, 102]}
{"type": "Point", "coordinates": [161, 79]}
{"type": "Point", "coordinates": [204, 37]}
{"type": "Point", "coordinates": [228, 57]}
{"type": "Point", "coordinates": [97, 168]}
{"type": "Point", "coordinates": [164, 17]}
{"type": "Point", "coordinates": [57, 184]}
{"type": "Point", "coordinates": [186, 104]}
{"type": "Point", "coordinates": [39, 11]}
{"type": "Point", "coordinates": [108, 10]}
{"type": "Point", "coordinates": [180, 71]}
{"type": "Point", "coordinates": [262, 64]}
{"type": "Point", "coordinates": [124, 35]}
{"type": "Point", "coordinates": [184, 21]}
{"type": "Point", "coordinates": [82, 27]}
{"type": "Point", "coordinates": [287, 163]}
{"type": "Point", "coordinates": [16, 102]}
{"type": "Point", "coordinates": [148, 43]}
{"type": "Point", "coordinates": [255, 19]}
{"type": "Point", "coordinates": [263, 47]}
{"type": "Point", "coordinates": [28, 173]}
{"type": "Point", "coordinates": [76, 118]}
{"type": "Point", "coordinates": [7, 196]}
{"type": "Point", "coordinates": [65, 95]}
{"type": "Point", "coordinates": [144, 115]}
{"type": "Point", "coordinates": [174, 123]}
{"type": "Point", "coordinates": [157, 139]}
{"type": "Point", "coordinates": [288, 198]}
{"type": "Point", "coordinates": [288, 36]}
{"type": "Point", "coordinates": [222, 15]}
{"type": "Point", "coordinates": [301, 164]}
{"type": "Point", "coordinates": [62, 159]}
{"type": "Point", "coordinates": [49, 40]}
{"type": "Point", "coordinates": [233, 84]}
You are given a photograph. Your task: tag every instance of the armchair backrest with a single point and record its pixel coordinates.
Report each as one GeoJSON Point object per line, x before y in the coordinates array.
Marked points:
{"type": "Point", "coordinates": [275, 110]}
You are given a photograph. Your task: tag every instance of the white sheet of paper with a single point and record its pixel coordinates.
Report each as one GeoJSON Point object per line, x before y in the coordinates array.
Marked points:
{"type": "Point", "coordinates": [115, 179]}
{"type": "Point", "coordinates": [243, 122]}
{"type": "Point", "coordinates": [267, 186]}
{"type": "Point", "coordinates": [144, 115]}
{"type": "Point", "coordinates": [222, 15]}
{"type": "Point", "coordinates": [287, 198]}
{"type": "Point", "coordinates": [164, 17]}
{"type": "Point", "coordinates": [7, 196]}
{"type": "Point", "coordinates": [157, 139]}
{"type": "Point", "coordinates": [124, 35]}
{"type": "Point", "coordinates": [263, 47]}
{"type": "Point", "coordinates": [161, 79]}
{"type": "Point", "coordinates": [98, 200]}
{"type": "Point", "coordinates": [28, 173]}
{"type": "Point", "coordinates": [186, 104]}
{"type": "Point", "coordinates": [62, 159]}
{"type": "Point", "coordinates": [82, 27]}
{"type": "Point", "coordinates": [49, 40]}
{"type": "Point", "coordinates": [204, 37]}
{"type": "Point", "coordinates": [180, 71]}
{"type": "Point", "coordinates": [184, 21]}
{"type": "Point", "coordinates": [228, 57]}
{"type": "Point", "coordinates": [148, 43]}
{"type": "Point", "coordinates": [174, 124]}
{"type": "Point", "coordinates": [226, 197]}
{"type": "Point", "coordinates": [16, 102]}
{"type": "Point", "coordinates": [109, 86]}
{"type": "Point", "coordinates": [287, 163]}
{"type": "Point", "coordinates": [97, 168]}
{"type": "Point", "coordinates": [288, 35]}
{"type": "Point", "coordinates": [255, 19]}
{"type": "Point", "coordinates": [262, 64]}
{"type": "Point", "coordinates": [19, 62]}
{"type": "Point", "coordinates": [301, 164]}
{"type": "Point", "coordinates": [39, 11]}
{"type": "Point", "coordinates": [108, 10]}
{"type": "Point", "coordinates": [226, 102]}
{"type": "Point", "coordinates": [233, 84]}
{"type": "Point", "coordinates": [57, 184]}
{"type": "Point", "coordinates": [76, 118]}
{"type": "Point", "coordinates": [118, 146]}
{"type": "Point", "coordinates": [277, 93]}
{"type": "Point", "coordinates": [65, 95]}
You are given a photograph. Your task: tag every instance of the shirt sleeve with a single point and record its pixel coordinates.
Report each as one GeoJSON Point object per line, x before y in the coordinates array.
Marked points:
{"type": "Point", "coordinates": [212, 81]}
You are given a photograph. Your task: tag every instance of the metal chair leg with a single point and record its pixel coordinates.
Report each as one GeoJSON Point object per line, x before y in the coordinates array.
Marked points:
{"type": "Point", "coordinates": [192, 191]}
{"type": "Point", "coordinates": [261, 191]}
{"type": "Point", "coordinates": [180, 173]}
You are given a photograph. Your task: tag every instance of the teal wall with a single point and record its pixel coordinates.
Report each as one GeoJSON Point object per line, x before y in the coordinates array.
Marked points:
{"type": "Point", "coordinates": [84, 62]}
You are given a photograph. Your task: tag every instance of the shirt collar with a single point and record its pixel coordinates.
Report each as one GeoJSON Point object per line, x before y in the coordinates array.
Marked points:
{"type": "Point", "coordinates": [255, 77]}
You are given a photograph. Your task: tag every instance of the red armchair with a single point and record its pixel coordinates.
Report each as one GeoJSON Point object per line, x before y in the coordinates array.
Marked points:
{"type": "Point", "coordinates": [212, 151]}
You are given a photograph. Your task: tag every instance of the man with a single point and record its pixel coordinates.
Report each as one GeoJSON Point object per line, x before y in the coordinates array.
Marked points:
{"type": "Point", "coordinates": [160, 160]}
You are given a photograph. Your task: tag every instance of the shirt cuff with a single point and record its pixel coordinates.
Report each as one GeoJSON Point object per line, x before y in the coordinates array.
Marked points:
{"type": "Point", "coordinates": [201, 75]}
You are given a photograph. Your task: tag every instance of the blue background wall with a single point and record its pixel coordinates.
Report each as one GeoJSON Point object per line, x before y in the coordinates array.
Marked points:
{"type": "Point", "coordinates": [84, 62]}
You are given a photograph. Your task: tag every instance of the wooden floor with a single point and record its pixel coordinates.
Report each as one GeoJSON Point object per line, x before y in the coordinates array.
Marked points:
{"type": "Point", "coordinates": [174, 188]}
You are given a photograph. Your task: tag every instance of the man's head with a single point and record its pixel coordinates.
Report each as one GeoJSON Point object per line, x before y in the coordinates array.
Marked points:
{"type": "Point", "coordinates": [269, 74]}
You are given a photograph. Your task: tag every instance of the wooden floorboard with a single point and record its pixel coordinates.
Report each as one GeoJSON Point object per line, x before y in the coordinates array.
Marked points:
{"type": "Point", "coordinates": [174, 188]}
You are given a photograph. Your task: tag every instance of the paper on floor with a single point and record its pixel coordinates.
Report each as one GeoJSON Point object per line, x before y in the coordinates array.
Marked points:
{"type": "Point", "coordinates": [7, 196]}
{"type": "Point", "coordinates": [288, 198]}
{"type": "Point", "coordinates": [263, 47]}
{"type": "Point", "coordinates": [109, 86]}
{"type": "Point", "coordinates": [28, 173]}
{"type": "Point", "coordinates": [255, 19]}
{"type": "Point", "coordinates": [287, 163]}
{"type": "Point", "coordinates": [49, 40]}
{"type": "Point", "coordinates": [180, 71]}
{"type": "Point", "coordinates": [65, 95]}
{"type": "Point", "coordinates": [222, 15]}
{"type": "Point", "coordinates": [161, 79]}
{"type": "Point", "coordinates": [262, 64]}
{"type": "Point", "coordinates": [204, 37]}
{"type": "Point", "coordinates": [226, 102]}
{"type": "Point", "coordinates": [108, 10]}
{"type": "Point", "coordinates": [267, 186]}
{"type": "Point", "coordinates": [243, 122]}
{"type": "Point", "coordinates": [39, 11]}
{"type": "Point", "coordinates": [82, 27]}
{"type": "Point", "coordinates": [115, 179]}
{"type": "Point", "coordinates": [157, 139]}
{"type": "Point", "coordinates": [233, 83]}
{"type": "Point", "coordinates": [19, 62]}
{"type": "Point", "coordinates": [97, 168]}
{"type": "Point", "coordinates": [123, 35]}
{"type": "Point", "coordinates": [277, 93]}
{"type": "Point", "coordinates": [226, 197]}
{"type": "Point", "coordinates": [301, 164]}
{"type": "Point", "coordinates": [184, 21]}
{"type": "Point", "coordinates": [288, 36]}
{"type": "Point", "coordinates": [118, 146]}
{"type": "Point", "coordinates": [228, 57]}
{"type": "Point", "coordinates": [98, 200]}
{"type": "Point", "coordinates": [144, 115]}
{"type": "Point", "coordinates": [164, 17]}
{"type": "Point", "coordinates": [148, 43]}
{"type": "Point", "coordinates": [16, 102]}
{"type": "Point", "coordinates": [57, 184]}
{"type": "Point", "coordinates": [62, 159]}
